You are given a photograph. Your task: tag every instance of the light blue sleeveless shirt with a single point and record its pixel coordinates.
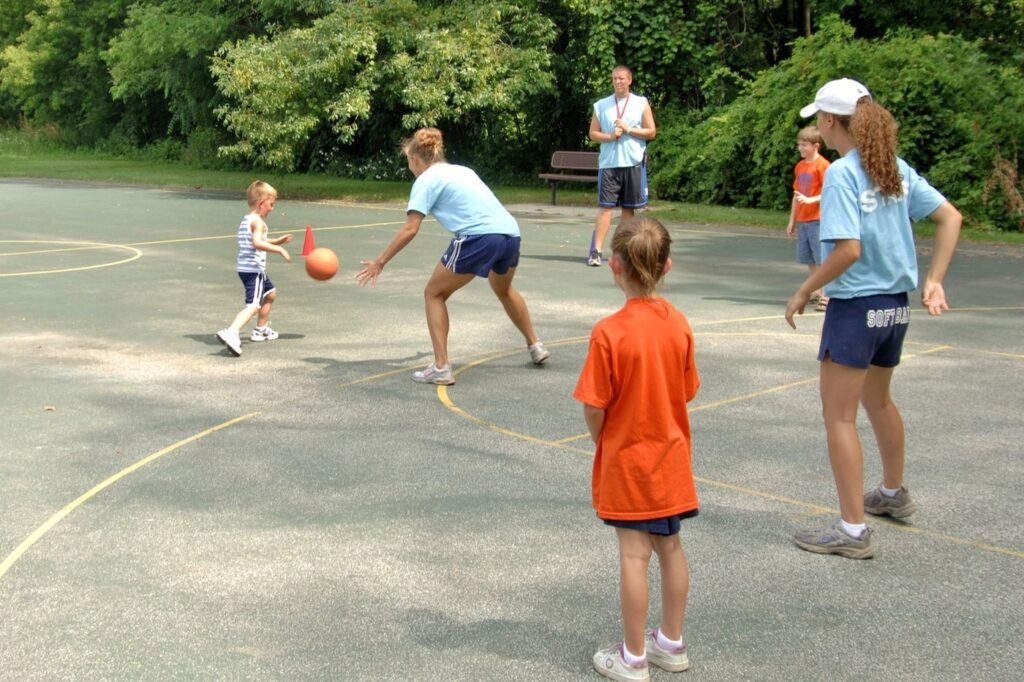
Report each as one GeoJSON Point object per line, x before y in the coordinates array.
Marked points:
{"type": "Point", "coordinates": [250, 259]}
{"type": "Point", "coordinates": [460, 201]}
{"type": "Point", "coordinates": [627, 151]}
{"type": "Point", "coordinates": [852, 207]}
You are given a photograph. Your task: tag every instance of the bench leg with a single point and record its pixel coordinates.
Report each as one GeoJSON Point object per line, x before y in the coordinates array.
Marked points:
{"type": "Point", "coordinates": [554, 187]}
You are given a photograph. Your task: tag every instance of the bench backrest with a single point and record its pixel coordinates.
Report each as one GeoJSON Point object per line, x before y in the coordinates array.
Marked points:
{"type": "Point", "coordinates": [575, 160]}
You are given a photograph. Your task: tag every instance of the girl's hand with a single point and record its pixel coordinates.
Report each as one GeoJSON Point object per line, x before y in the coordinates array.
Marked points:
{"type": "Point", "coordinates": [370, 272]}
{"type": "Point", "coordinates": [795, 306]}
{"type": "Point", "coordinates": [933, 297]}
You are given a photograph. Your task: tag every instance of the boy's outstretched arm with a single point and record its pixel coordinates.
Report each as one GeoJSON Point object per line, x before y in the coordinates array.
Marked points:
{"type": "Point", "coordinates": [260, 241]}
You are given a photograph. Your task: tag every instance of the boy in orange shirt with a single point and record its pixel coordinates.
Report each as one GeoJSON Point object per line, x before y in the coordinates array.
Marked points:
{"type": "Point", "coordinates": [808, 178]}
{"type": "Point", "coordinates": [636, 381]}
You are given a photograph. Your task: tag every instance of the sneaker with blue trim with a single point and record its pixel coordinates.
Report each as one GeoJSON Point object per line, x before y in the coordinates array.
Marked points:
{"type": "Point", "coordinates": [673, 660]}
{"type": "Point", "coordinates": [834, 540]}
{"type": "Point", "coordinates": [595, 259]}
{"type": "Point", "coordinates": [899, 507]}
{"type": "Point", "coordinates": [264, 334]}
{"type": "Point", "coordinates": [610, 663]}
{"type": "Point", "coordinates": [433, 375]}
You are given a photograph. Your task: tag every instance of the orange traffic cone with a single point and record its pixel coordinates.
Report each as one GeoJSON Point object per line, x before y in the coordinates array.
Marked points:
{"type": "Point", "coordinates": [308, 244]}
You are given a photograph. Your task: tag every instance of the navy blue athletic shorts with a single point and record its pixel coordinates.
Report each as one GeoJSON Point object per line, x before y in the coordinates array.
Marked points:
{"type": "Point", "coordinates": [481, 254]}
{"type": "Point", "coordinates": [668, 525]}
{"type": "Point", "coordinates": [864, 331]}
{"type": "Point", "coordinates": [257, 286]}
{"type": "Point", "coordinates": [625, 187]}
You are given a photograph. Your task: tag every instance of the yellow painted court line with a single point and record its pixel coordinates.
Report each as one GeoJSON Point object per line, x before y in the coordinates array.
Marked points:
{"type": "Point", "coordinates": [85, 497]}
{"type": "Point", "coordinates": [998, 354]}
{"type": "Point", "coordinates": [87, 246]}
{"type": "Point", "coordinates": [234, 236]}
{"type": "Point", "coordinates": [442, 394]}
{"type": "Point", "coordinates": [396, 206]}
{"type": "Point", "coordinates": [474, 363]}
{"type": "Point", "coordinates": [755, 394]}
{"type": "Point", "coordinates": [563, 444]}
{"type": "Point", "coordinates": [36, 252]}
{"type": "Point", "coordinates": [984, 310]}
{"type": "Point", "coordinates": [136, 254]}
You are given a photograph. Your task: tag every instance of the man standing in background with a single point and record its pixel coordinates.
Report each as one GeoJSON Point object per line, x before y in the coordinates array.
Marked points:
{"type": "Point", "coordinates": [623, 123]}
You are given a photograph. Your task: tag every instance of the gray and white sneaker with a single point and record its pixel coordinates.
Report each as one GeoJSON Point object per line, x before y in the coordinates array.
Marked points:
{"type": "Point", "coordinates": [538, 353]}
{"type": "Point", "coordinates": [899, 507]}
{"type": "Point", "coordinates": [433, 375]}
{"type": "Point", "coordinates": [610, 663]}
{"type": "Point", "coordinates": [834, 540]}
{"type": "Point", "coordinates": [229, 337]}
{"type": "Point", "coordinates": [672, 660]}
{"type": "Point", "coordinates": [595, 259]}
{"type": "Point", "coordinates": [265, 334]}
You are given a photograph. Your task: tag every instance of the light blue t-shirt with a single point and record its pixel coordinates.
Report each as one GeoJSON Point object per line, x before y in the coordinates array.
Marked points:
{"type": "Point", "coordinates": [460, 201]}
{"type": "Point", "coordinates": [852, 207]}
{"type": "Point", "coordinates": [627, 151]}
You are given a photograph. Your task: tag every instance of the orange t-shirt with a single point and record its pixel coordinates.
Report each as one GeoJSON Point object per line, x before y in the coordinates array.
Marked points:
{"type": "Point", "coordinates": [640, 370]}
{"type": "Point", "coordinates": [808, 177]}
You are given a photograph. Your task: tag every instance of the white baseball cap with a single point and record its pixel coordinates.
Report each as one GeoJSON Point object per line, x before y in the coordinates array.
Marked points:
{"type": "Point", "coordinates": [838, 97]}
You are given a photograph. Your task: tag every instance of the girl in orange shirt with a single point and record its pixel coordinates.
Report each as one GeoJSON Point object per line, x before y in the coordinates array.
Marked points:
{"type": "Point", "coordinates": [636, 381]}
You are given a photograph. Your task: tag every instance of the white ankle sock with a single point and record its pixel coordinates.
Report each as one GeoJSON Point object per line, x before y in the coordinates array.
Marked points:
{"type": "Point", "coordinates": [666, 643]}
{"type": "Point", "coordinates": [630, 659]}
{"type": "Point", "coordinates": [889, 492]}
{"type": "Point", "coordinates": [854, 530]}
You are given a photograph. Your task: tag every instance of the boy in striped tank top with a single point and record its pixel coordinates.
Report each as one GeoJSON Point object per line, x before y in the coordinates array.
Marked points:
{"type": "Point", "coordinates": [253, 245]}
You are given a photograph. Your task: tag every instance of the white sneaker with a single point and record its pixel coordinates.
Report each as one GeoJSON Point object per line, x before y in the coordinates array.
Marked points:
{"type": "Point", "coordinates": [610, 663]}
{"type": "Point", "coordinates": [538, 353]}
{"type": "Point", "coordinates": [433, 375]}
{"type": "Point", "coordinates": [672, 660]}
{"type": "Point", "coordinates": [229, 337]}
{"type": "Point", "coordinates": [265, 334]}
{"type": "Point", "coordinates": [595, 259]}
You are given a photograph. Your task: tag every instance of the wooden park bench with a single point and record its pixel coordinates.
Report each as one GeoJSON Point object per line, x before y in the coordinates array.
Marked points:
{"type": "Point", "coordinates": [570, 167]}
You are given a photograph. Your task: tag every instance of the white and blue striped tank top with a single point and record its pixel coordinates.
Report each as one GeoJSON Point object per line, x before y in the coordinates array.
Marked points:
{"type": "Point", "coordinates": [250, 259]}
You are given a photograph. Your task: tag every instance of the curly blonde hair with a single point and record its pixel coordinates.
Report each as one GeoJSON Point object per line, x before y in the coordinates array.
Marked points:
{"type": "Point", "coordinates": [874, 130]}
{"type": "Point", "coordinates": [426, 144]}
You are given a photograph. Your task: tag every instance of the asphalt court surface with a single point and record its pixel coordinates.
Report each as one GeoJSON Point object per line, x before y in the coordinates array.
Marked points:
{"type": "Point", "coordinates": [305, 511]}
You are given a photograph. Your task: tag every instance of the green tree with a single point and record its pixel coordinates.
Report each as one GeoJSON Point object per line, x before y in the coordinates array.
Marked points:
{"type": "Point", "coordinates": [997, 24]}
{"type": "Point", "coordinates": [13, 21]}
{"type": "Point", "coordinates": [165, 48]}
{"type": "Point", "coordinates": [53, 69]}
{"type": "Point", "coordinates": [959, 116]}
{"type": "Point", "coordinates": [381, 68]}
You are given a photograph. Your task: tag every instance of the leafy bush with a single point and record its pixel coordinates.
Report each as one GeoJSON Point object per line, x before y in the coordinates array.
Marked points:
{"type": "Point", "coordinates": [959, 116]}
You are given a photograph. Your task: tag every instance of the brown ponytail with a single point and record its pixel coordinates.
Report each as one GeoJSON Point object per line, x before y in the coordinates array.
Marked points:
{"type": "Point", "coordinates": [874, 130]}
{"type": "Point", "coordinates": [427, 144]}
{"type": "Point", "coordinates": [642, 245]}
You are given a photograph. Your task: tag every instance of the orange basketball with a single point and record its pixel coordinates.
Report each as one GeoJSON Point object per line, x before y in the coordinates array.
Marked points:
{"type": "Point", "coordinates": [321, 263]}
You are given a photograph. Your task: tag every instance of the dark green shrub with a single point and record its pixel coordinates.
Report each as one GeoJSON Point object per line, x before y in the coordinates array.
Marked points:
{"type": "Point", "coordinates": [959, 116]}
